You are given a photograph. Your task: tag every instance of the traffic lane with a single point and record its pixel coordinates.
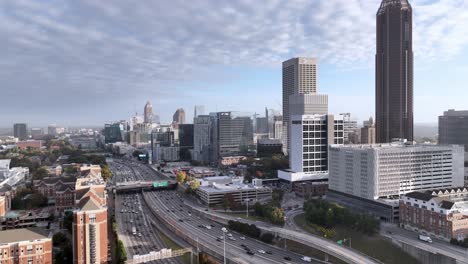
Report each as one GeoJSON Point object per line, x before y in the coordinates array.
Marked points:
{"type": "Point", "coordinates": [214, 233]}
{"type": "Point", "coordinates": [208, 239]}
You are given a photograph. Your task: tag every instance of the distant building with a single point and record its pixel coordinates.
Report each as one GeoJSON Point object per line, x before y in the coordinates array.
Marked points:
{"type": "Point", "coordinates": [453, 128]}
{"type": "Point", "coordinates": [309, 189]}
{"type": "Point", "coordinates": [349, 127]}
{"type": "Point", "coordinates": [186, 135]}
{"type": "Point", "coordinates": [37, 133]}
{"type": "Point", "coordinates": [166, 153]}
{"type": "Point", "coordinates": [368, 132]}
{"type": "Point", "coordinates": [371, 178]}
{"type": "Point", "coordinates": [20, 131]}
{"type": "Point", "coordinates": [202, 129]}
{"type": "Point", "coordinates": [278, 128]}
{"type": "Point", "coordinates": [231, 160]}
{"type": "Point", "coordinates": [83, 142]}
{"type": "Point", "coordinates": [299, 77]}
{"type": "Point", "coordinates": [52, 130]}
{"type": "Point", "coordinates": [114, 132]}
{"type": "Point", "coordinates": [198, 111]}
{"type": "Point", "coordinates": [179, 116]}
{"type": "Point", "coordinates": [440, 213]}
{"type": "Point", "coordinates": [213, 190]}
{"type": "Point", "coordinates": [27, 245]}
{"type": "Point", "coordinates": [269, 147]}
{"type": "Point", "coordinates": [261, 125]}
{"type": "Point", "coordinates": [33, 144]}
{"type": "Point", "coordinates": [232, 136]}
{"type": "Point", "coordinates": [148, 113]}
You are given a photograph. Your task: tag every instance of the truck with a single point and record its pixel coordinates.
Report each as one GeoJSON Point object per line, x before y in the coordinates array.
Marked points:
{"type": "Point", "coordinates": [425, 238]}
{"type": "Point", "coordinates": [306, 259]}
{"type": "Point", "coordinates": [133, 230]}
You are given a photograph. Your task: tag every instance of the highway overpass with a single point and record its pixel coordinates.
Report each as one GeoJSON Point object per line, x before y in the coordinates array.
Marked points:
{"type": "Point", "coordinates": [139, 186]}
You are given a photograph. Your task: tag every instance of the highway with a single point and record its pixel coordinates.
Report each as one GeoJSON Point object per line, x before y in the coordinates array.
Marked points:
{"type": "Point", "coordinates": [437, 246]}
{"type": "Point", "coordinates": [131, 212]}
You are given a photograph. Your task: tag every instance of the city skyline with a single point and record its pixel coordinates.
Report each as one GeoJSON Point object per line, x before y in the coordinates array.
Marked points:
{"type": "Point", "coordinates": [240, 66]}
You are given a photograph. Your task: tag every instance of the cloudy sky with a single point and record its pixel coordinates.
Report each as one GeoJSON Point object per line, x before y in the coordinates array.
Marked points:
{"type": "Point", "coordinates": [88, 62]}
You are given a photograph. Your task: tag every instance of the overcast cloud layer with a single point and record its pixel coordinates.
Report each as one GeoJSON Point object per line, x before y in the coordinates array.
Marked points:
{"type": "Point", "coordinates": [65, 56]}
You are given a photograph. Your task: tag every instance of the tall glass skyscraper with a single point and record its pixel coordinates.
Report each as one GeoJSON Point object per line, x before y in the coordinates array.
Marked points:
{"type": "Point", "coordinates": [394, 72]}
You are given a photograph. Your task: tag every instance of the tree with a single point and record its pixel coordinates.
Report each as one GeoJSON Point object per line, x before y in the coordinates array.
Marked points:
{"type": "Point", "coordinates": [106, 172]}
{"type": "Point", "coordinates": [181, 177]}
{"type": "Point", "coordinates": [267, 237]}
{"type": "Point", "coordinates": [70, 170]}
{"type": "Point", "coordinates": [120, 253]}
{"type": "Point", "coordinates": [277, 216]}
{"type": "Point", "coordinates": [68, 221]}
{"type": "Point", "coordinates": [41, 173]}
{"type": "Point", "coordinates": [59, 239]}
{"type": "Point", "coordinates": [194, 184]}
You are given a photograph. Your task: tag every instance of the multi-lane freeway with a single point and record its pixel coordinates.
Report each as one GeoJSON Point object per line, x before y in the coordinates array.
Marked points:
{"type": "Point", "coordinates": [131, 211]}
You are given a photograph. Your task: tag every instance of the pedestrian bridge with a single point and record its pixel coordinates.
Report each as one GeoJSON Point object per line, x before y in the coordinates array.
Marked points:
{"type": "Point", "coordinates": [139, 186]}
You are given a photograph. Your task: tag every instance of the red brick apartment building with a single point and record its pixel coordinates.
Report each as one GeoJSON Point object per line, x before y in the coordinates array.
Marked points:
{"type": "Point", "coordinates": [28, 245]}
{"type": "Point", "coordinates": [441, 213]}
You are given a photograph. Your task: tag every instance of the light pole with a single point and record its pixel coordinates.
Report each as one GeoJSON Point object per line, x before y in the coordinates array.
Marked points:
{"type": "Point", "coordinates": [224, 240]}
{"type": "Point", "coordinates": [247, 210]}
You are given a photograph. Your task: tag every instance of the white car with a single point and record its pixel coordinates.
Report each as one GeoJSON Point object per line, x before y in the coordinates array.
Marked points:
{"type": "Point", "coordinates": [231, 238]}
{"type": "Point", "coordinates": [229, 234]}
{"type": "Point", "coordinates": [261, 251]}
{"type": "Point", "coordinates": [242, 238]}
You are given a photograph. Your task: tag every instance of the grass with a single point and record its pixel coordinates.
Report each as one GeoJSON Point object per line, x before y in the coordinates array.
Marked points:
{"type": "Point", "coordinates": [173, 245]}
{"type": "Point", "coordinates": [375, 246]}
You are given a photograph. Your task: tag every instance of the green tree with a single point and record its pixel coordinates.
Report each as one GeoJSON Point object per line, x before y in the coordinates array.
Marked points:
{"type": "Point", "coordinates": [68, 221]}
{"type": "Point", "coordinates": [194, 185]}
{"type": "Point", "coordinates": [70, 170]}
{"type": "Point", "coordinates": [121, 254]}
{"type": "Point", "coordinates": [59, 239]}
{"type": "Point", "coordinates": [40, 173]}
{"type": "Point", "coordinates": [277, 216]}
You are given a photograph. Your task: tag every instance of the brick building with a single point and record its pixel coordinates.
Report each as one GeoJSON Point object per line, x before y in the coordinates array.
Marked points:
{"type": "Point", "coordinates": [90, 232]}
{"type": "Point", "coordinates": [309, 189]}
{"type": "Point", "coordinates": [59, 190]}
{"type": "Point", "coordinates": [33, 144]}
{"type": "Point", "coordinates": [441, 213]}
{"type": "Point", "coordinates": [28, 245]}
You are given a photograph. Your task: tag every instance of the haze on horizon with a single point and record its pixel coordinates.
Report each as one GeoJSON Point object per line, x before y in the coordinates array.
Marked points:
{"type": "Point", "coordinates": [87, 63]}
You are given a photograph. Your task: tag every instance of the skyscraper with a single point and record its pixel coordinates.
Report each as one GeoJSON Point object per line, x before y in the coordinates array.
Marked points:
{"type": "Point", "coordinates": [299, 77]}
{"type": "Point", "coordinates": [179, 116]}
{"type": "Point", "coordinates": [148, 113]}
{"type": "Point", "coordinates": [198, 110]}
{"type": "Point", "coordinates": [20, 131]}
{"type": "Point", "coordinates": [394, 72]}
{"type": "Point", "coordinates": [453, 128]}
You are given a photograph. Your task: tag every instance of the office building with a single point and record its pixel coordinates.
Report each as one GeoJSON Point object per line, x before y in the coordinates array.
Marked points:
{"type": "Point", "coordinates": [368, 132]}
{"type": "Point", "coordinates": [349, 128]}
{"type": "Point", "coordinates": [186, 138]}
{"type": "Point", "coordinates": [440, 213]}
{"type": "Point", "coordinates": [148, 113]}
{"type": "Point", "coordinates": [52, 130]}
{"type": "Point", "coordinates": [370, 178]}
{"type": "Point", "coordinates": [166, 153]}
{"type": "Point", "coordinates": [233, 134]}
{"type": "Point", "coordinates": [213, 190]}
{"type": "Point", "coordinates": [114, 132]}
{"type": "Point", "coordinates": [179, 116]}
{"type": "Point", "coordinates": [26, 245]}
{"type": "Point", "coordinates": [90, 232]}
{"type": "Point", "coordinates": [202, 138]}
{"type": "Point", "coordinates": [29, 144]}
{"type": "Point", "coordinates": [453, 128]}
{"type": "Point", "coordinates": [20, 131]}
{"type": "Point", "coordinates": [269, 147]}
{"type": "Point", "coordinates": [299, 77]}
{"type": "Point", "coordinates": [198, 110]}
{"type": "Point", "coordinates": [394, 72]}
{"type": "Point", "coordinates": [278, 128]}
{"type": "Point", "coordinates": [36, 133]}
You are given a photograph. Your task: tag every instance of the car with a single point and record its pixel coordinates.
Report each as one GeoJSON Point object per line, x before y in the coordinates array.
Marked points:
{"type": "Point", "coordinates": [261, 251]}
{"type": "Point", "coordinates": [242, 238]}
{"type": "Point", "coordinates": [139, 235]}
{"type": "Point", "coordinates": [243, 246]}
{"type": "Point", "coordinates": [269, 252]}
{"type": "Point", "coordinates": [231, 238]}
{"type": "Point", "coordinates": [217, 239]}
{"type": "Point", "coordinates": [212, 225]}
{"type": "Point", "coordinates": [229, 234]}
{"type": "Point", "coordinates": [287, 258]}
{"type": "Point", "coordinates": [180, 220]}
{"type": "Point", "coordinates": [250, 253]}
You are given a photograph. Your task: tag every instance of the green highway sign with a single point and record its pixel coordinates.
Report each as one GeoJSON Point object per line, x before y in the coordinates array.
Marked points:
{"type": "Point", "coordinates": [160, 184]}
{"type": "Point", "coordinates": [340, 242]}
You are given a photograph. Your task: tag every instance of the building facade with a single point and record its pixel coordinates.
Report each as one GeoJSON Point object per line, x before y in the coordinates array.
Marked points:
{"type": "Point", "coordinates": [148, 113]}
{"type": "Point", "coordinates": [20, 131]}
{"type": "Point", "coordinates": [202, 138]}
{"type": "Point", "coordinates": [394, 72]}
{"type": "Point", "coordinates": [179, 116]}
{"type": "Point", "coordinates": [368, 132]}
{"type": "Point", "coordinates": [453, 128]}
{"type": "Point", "coordinates": [440, 213]}
{"type": "Point", "coordinates": [299, 77]}
{"type": "Point", "coordinates": [371, 178]}
{"type": "Point", "coordinates": [27, 245]}
{"type": "Point", "coordinates": [233, 134]}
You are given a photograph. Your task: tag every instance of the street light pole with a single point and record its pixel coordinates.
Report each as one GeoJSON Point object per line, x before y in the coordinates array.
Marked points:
{"type": "Point", "coordinates": [247, 200]}
{"type": "Point", "coordinates": [224, 240]}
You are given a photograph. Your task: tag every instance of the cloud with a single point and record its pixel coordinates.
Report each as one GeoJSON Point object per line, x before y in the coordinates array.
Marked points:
{"type": "Point", "coordinates": [118, 50]}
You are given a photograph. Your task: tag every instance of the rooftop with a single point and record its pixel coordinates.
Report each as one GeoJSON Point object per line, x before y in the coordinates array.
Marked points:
{"type": "Point", "coordinates": [26, 234]}
{"type": "Point", "coordinates": [394, 145]}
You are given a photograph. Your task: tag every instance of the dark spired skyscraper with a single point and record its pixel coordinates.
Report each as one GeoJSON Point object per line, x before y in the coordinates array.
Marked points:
{"type": "Point", "coordinates": [394, 72]}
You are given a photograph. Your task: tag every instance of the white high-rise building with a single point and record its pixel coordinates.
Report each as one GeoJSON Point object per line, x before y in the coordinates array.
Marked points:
{"type": "Point", "coordinates": [198, 110]}
{"type": "Point", "coordinates": [299, 77]}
